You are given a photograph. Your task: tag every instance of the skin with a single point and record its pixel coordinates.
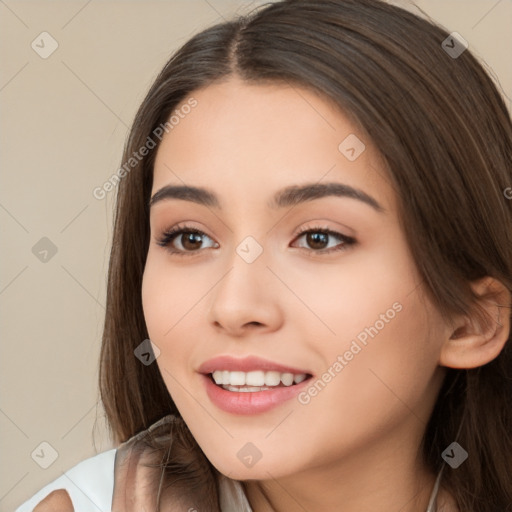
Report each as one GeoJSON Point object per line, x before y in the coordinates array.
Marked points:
{"type": "Point", "coordinates": [56, 501]}
{"type": "Point", "coordinates": [354, 446]}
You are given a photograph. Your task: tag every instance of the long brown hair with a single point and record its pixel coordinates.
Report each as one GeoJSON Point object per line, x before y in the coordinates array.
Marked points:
{"type": "Point", "coordinates": [446, 136]}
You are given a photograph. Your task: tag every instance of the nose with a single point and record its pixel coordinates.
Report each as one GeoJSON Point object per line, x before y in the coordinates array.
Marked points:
{"type": "Point", "coordinates": [246, 299]}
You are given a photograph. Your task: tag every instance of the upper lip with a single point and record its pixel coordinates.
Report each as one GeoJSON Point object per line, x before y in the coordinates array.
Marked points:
{"type": "Point", "coordinates": [246, 364]}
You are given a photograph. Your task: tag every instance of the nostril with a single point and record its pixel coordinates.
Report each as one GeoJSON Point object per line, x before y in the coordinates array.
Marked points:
{"type": "Point", "coordinates": [254, 324]}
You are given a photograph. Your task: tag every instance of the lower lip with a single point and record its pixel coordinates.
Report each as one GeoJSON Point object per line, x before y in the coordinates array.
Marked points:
{"type": "Point", "coordinates": [239, 402]}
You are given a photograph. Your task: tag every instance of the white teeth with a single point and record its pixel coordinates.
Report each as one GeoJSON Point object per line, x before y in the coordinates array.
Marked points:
{"type": "Point", "coordinates": [255, 379]}
{"type": "Point", "coordinates": [287, 379]}
{"type": "Point", "coordinates": [299, 378]}
{"type": "Point", "coordinates": [245, 389]}
{"type": "Point", "coordinates": [236, 379]}
{"type": "Point", "coordinates": [272, 378]}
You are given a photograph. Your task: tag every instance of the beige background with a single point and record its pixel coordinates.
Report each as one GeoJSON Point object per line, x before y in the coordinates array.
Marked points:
{"type": "Point", "coordinates": [63, 124]}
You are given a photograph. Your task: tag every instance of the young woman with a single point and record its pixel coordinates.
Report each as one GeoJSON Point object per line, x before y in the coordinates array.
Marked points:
{"type": "Point", "coordinates": [313, 228]}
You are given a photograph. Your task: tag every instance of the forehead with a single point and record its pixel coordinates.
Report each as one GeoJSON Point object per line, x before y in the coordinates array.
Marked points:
{"type": "Point", "coordinates": [249, 140]}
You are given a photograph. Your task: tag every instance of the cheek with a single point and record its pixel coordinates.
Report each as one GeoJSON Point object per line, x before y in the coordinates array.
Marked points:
{"type": "Point", "coordinates": [366, 391]}
{"type": "Point", "coordinates": [352, 293]}
{"type": "Point", "coordinates": [385, 332]}
{"type": "Point", "coordinates": [386, 373]}
{"type": "Point", "coordinates": [168, 294]}
{"type": "Point", "coordinates": [164, 301]}
{"type": "Point", "coordinates": [172, 303]}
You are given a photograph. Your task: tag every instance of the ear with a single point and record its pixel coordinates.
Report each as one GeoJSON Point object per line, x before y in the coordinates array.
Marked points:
{"type": "Point", "coordinates": [472, 341]}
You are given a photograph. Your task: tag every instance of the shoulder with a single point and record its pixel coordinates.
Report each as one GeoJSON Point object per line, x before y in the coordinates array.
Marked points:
{"type": "Point", "coordinates": [56, 501]}
{"type": "Point", "coordinates": [87, 484]}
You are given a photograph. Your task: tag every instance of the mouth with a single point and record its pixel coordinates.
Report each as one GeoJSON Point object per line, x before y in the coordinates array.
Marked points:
{"type": "Point", "coordinates": [251, 385]}
{"type": "Point", "coordinates": [256, 380]}
{"type": "Point", "coordinates": [254, 392]}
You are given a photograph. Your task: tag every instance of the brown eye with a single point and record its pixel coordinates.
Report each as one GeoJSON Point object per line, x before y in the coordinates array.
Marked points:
{"type": "Point", "coordinates": [182, 240]}
{"type": "Point", "coordinates": [317, 240]}
{"type": "Point", "coordinates": [191, 241]}
{"type": "Point", "coordinates": [323, 240]}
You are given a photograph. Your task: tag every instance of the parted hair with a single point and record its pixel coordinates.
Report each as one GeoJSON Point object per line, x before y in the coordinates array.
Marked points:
{"type": "Point", "coordinates": [445, 135]}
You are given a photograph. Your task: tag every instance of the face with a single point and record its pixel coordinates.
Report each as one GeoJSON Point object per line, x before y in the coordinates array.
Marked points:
{"type": "Point", "coordinates": [318, 284]}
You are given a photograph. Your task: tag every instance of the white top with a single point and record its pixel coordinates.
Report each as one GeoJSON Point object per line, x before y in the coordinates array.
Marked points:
{"type": "Point", "coordinates": [90, 485]}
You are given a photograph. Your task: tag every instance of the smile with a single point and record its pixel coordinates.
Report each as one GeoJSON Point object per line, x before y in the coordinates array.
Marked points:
{"type": "Point", "coordinates": [257, 380]}
{"type": "Point", "coordinates": [250, 385]}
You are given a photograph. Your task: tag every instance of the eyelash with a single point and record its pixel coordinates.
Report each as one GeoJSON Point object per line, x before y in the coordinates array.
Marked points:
{"type": "Point", "coordinates": [169, 236]}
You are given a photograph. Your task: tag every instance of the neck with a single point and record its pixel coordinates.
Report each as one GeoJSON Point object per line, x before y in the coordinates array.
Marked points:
{"type": "Point", "coordinates": [371, 479]}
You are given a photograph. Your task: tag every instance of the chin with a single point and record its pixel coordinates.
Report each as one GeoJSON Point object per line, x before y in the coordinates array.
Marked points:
{"type": "Point", "coordinates": [259, 471]}
{"type": "Point", "coordinates": [242, 460]}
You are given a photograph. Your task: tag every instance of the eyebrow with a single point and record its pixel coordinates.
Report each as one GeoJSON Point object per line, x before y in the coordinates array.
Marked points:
{"type": "Point", "coordinates": [289, 196]}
